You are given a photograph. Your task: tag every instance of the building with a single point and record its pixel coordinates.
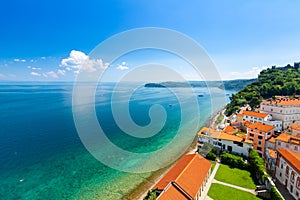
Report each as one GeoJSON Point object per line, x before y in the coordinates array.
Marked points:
{"type": "Point", "coordinates": [258, 133]}
{"type": "Point", "coordinates": [228, 142]}
{"type": "Point", "coordinates": [282, 108]}
{"type": "Point", "coordinates": [294, 129]}
{"type": "Point", "coordinates": [286, 141]}
{"type": "Point", "coordinates": [185, 180]}
{"type": "Point", "coordinates": [260, 117]}
{"type": "Point", "coordinates": [288, 171]}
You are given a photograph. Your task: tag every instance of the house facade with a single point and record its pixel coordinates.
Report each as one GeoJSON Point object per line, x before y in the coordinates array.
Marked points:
{"type": "Point", "coordinates": [258, 133]}
{"type": "Point", "coordinates": [262, 118]}
{"type": "Point", "coordinates": [288, 171]}
{"type": "Point", "coordinates": [286, 141]}
{"type": "Point", "coordinates": [227, 142]}
{"type": "Point", "coordinates": [282, 108]}
{"type": "Point", "coordinates": [294, 129]}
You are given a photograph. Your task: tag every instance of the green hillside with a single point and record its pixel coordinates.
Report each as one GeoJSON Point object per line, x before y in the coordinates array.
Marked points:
{"type": "Point", "coordinates": [273, 81]}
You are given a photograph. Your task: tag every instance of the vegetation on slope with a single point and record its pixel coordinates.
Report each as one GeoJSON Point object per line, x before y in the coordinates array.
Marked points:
{"type": "Point", "coordinates": [270, 82]}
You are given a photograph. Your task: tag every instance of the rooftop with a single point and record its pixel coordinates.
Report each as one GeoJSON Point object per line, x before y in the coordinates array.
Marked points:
{"type": "Point", "coordinates": [283, 101]}
{"type": "Point", "coordinates": [291, 157]}
{"type": "Point", "coordinates": [254, 114]}
{"type": "Point", "coordinates": [272, 140]}
{"type": "Point", "coordinates": [295, 126]}
{"type": "Point", "coordinates": [284, 137]}
{"type": "Point", "coordinates": [187, 175]}
{"type": "Point", "coordinates": [230, 130]}
{"type": "Point", "coordinates": [272, 153]}
{"type": "Point", "coordinates": [212, 133]}
{"type": "Point", "coordinates": [261, 127]}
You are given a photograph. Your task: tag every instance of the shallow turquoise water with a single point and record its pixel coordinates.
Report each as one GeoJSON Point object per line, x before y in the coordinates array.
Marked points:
{"type": "Point", "coordinates": [42, 157]}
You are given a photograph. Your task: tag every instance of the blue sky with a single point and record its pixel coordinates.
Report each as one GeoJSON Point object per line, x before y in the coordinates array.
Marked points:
{"type": "Point", "coordinates": [241, 37]}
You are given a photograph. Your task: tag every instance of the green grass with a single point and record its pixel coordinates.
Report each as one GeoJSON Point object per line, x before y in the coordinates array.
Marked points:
{"type": "Point", "coordinates": [213, 165]}
{"type": "Point", "coordinates": [235, 176]}
{"type": "Point", "coordinates": [221, 192]}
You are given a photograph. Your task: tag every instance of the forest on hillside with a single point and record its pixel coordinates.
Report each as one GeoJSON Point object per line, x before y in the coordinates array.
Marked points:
{"type": "Point", "coordinates": [271, 82]}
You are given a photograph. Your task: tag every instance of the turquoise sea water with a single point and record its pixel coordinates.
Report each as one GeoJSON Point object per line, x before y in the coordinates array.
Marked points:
{"type": "Point", "coordinates": [42, 157]}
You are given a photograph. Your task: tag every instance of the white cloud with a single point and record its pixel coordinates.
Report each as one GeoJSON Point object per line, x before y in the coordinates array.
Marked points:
{"type": "Point", "coordinates": [2, 75]}
{"type": "Point", "coordinates": [43, 58]}
{"type": "Point", "coordinates": [78, 60]}
{"type": "Point", "coordinates": [52, 74]}
{"type": "Point", "coordinates": [123, 66]}
{"type": "Point", "coordinates": [61, 72]}
{"type": "Point", "coordinates": [29, 67]}
{"type": "Point", "coordinates": [252, 73]}
{"type": "Point", "coordinates": [45, 75]}
{"type": "Point", "coordinates": [19, 60]}
{"type": "Point", "coordinates": [35, 74]}
{"type": "Point", "coordinates": [36, 68]}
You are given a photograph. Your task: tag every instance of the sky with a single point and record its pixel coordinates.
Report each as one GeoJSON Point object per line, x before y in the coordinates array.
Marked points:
{"type": "Point", "coordinates": [48, 40]}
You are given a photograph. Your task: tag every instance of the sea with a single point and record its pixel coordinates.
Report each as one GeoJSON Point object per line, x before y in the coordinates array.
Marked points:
{"type": "Point", "coordinates": [43, 157]}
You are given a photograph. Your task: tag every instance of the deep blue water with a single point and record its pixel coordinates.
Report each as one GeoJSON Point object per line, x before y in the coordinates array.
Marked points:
{"type": "Point", "coordinates": [42, 156]}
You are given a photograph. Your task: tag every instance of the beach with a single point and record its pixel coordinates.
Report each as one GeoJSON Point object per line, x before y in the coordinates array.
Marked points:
{"type": "Point", "coordinates": [141, 191]}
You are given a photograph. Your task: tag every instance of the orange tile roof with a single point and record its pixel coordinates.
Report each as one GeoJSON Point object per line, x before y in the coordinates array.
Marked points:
{"type": "Point", "coordinates": [230, 129]}
{"type": "Point", "coordinates": [188, 173]}
{"type": "Point", "coordinates": [247, 123]}
{"type": "Point", "coordinates": [171, 193]}
{"type": "Point", "coordinates": [272, 140]}
{"type": "Point", "coordinates": [272, 153]}
{"type": "Point", "coordinates": [212, 133]}
{"type": "Point", "coordinates": [261, 127]}
{"type": "Point", "coordinates": [295, 126]}
{"type": "Point", "coordinates": [283, 101]}
{"type": "Point", "coordinates": [291, 157]}
{"type": "Point", "coordinates": [254, 114]}
{"type": "Point", "coordinates": [284, 137]}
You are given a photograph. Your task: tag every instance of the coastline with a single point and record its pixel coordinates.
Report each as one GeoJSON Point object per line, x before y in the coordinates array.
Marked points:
{"type": "Point", "coordinates": [141, 190]}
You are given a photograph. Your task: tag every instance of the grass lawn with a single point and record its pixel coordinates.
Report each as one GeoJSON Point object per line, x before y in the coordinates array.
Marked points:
{"type": "Point", "coordinates": [213, 165]}
{"type": "Point", "coordinates": [235, 176]}
{"type": "Point", "coordinates": [220, 192]}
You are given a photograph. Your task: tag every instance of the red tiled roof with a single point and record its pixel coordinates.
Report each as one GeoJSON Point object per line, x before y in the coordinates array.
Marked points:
{"type": "Point", "coordinates": [247, 123]}
{"type": "Point", "coordinates": [171, 193]}
{"type": "Point", "coordinates": [283, 101]}
{"type": "Point", "coordinates": [291, 157]}
{"type": "Point", "coordinates": [254, 114]}
{"type": "Point", "coordinates": [261, 127]}
{"type": "Point", "coordinates": [272, 140]}
{"type": "Point", "coordinates": [189, 173]}
{"type": "Point", "coordinates": [272, 153]}
{"type": "Point", "coordinates": [284, 137]}
{"type": "Point", "coordinates": [295, 126]}
{"type": "Point", "coordinates": [230, 129]}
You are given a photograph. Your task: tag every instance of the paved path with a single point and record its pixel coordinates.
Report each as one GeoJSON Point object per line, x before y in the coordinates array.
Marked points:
{"type": "Point", "coordinates": [234, 186]}
{"type": "Point", "coordinates": [210, 180]}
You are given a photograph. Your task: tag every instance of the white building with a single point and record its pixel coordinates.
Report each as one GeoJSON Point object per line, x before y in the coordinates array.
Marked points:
{"type": "Point", "coordinates": [262, 118]}
{"type": "Point", "coordinates": [288, 171]}
{"type": "Point", "coordinates": [286, 141]}
{"type": "Point", "coordinates": [283, 108]}
{"type": "Point", "coordinates": [224, 141]}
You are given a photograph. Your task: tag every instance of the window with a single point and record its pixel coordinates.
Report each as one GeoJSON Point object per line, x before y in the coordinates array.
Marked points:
{"type": "Point", "coordinates": [281, 166]}
{"type": "Point", "coordinates": [296, 148]}
{"type": "Point", "coordinates": [260, 137]}
{"type": "Point", "coordinates": [287, 171]}
{"type": "Point", "coordinates": [259, 142]}
{"type": "Point", "coordinates": [293, 177]}
{"type": "Point", "coordinates": [298, 183]}
{"type": "Point", "coordinates": [280, 174]}
{"type": "Point", "coordinates": [287, 145]}
{"type": "Point", "coordinates": [279, 143]}
{"type": "Point", "coordinates": [251, 134]}
{"type": "Point", "coordinates": [259, 148]}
